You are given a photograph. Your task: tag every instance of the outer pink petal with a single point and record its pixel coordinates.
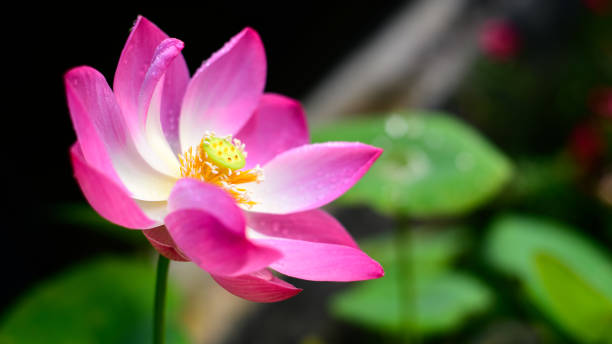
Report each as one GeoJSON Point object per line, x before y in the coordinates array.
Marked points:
{"type": "Point", "coordinates": [224, 92]}
{"type": "Point", "coordinates": [162, 242]}
{"type": "Point", "coordinates": [104, 138]}
{"type": "Point", "coordinates": [314, 246]}
{"type": "Point", "coordinates": [110, 200]}
{"type": "Point", "coordinates": [209, 228]}
{"type": "Point", "coordinates": [311, 176]}
{"type": "Point", "coordinates": [159, 235]}
{"type": "Point", "coordinates": [135, 60]}
{"type": "Point", "coordinates": [277, 125]}
{"type": "Point", "coordinates": [322, 262]}
{"type": "Point", "coordinates": [169, 252]}
{"type": "Point", "coordinates": [89, 139]}
{"type": "Point", "coordinates": [261, 286]}
{"type": "Point", "coordinates": [314, 225]}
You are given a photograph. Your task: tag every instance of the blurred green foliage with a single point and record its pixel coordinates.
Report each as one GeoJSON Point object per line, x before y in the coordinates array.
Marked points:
{"type": "Point", "coordinates": [82, 215]}
{"type": "Point", "coordinates": [432, 249]}
{"type": "Point", "coordinates": [443, 302]}
{"type": "Point", "coordinates": [566, 276]}
{"type": "Point", "coordinates": [108, 300]}
{"type": "Point", "coordinates": [420, 176]}
{"type": "Point", "coordinates": [433, 164]}
{"type": "Point", "coordinates": [439, 301]}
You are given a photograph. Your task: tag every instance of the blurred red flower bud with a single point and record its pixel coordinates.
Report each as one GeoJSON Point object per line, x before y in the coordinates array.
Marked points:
{"type": "Point", "coordinates": [600, 102]}
{"type": "Point", "coordinates": [499, 39]}
{"type": "Point", "coordinates": [586, 145]}
{"type": "Point", "coordinates": [598, 6]}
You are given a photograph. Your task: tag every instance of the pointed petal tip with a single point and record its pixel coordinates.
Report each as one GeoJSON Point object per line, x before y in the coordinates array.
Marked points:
{"type": "Point", "coordinates": [142, 20]}
{"type": "Point", "coordinates": [285, 297]}
{"type": "Point", "coordinates": [376, 151]}
{"type": "Point", "coordinates": [296, 292]}
{"type": "Point", "coordinates": [380, 272]}
{"type": "Point", "coordinates": [379, 151]}
{"type": "Point", "coordinates": [374, 270]}
{"type": "Point", "coordinates": [249, 30]}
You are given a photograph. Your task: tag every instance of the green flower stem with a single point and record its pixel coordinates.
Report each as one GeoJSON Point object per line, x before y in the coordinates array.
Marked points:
{"type": "Point", "coordinates": [161, 283]}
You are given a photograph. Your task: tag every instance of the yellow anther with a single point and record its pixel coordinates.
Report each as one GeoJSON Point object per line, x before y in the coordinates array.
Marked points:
{"type": "Point", "coordinates": [208, 162]}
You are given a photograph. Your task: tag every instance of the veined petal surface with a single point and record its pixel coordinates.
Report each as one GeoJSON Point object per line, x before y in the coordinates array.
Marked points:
{"type": "Point", "coordinates": [224, 92]}
{"type": "Point", "coordinates": [109, 199]}
{"type": "Point", "coordinates": [322, 262]}
{"type": "Point", "coordinates": [278, 124]}
{"type": "Point", "coordinates": [150, 139]}
{"type": "Point", "coordinates": [313, 225]}
{"type": "Point", "coordinates": [310, 176]}
{"type": "Point", "coordinates": [162, 242]}
{"type": "Point", "coordinates": [103, 135]}
{"type": "Point", "coordinates": [260, 286]}
{"type": "Point", "coordinates": [134, 63]}
{"type": "Point", "coordinates": [314, 247]}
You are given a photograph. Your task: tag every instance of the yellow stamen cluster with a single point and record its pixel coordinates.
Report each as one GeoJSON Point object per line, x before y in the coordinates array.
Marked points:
{"type": "Point", "coordinates": [209, 163]}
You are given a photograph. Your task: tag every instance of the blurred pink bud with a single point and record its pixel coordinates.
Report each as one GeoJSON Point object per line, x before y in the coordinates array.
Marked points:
{"type": "Point", "coordinates": [499, 39]}
{"type": "Point", "coordinates": [598, 6]}
{"type": "Point", "coordinates": [586, 145]}
{"type": "Point", "coordinates": [600, 102]}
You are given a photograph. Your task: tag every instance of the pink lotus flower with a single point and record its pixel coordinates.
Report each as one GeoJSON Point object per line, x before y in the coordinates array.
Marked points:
{"type": "Point", "coordinates": [168, 155]}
